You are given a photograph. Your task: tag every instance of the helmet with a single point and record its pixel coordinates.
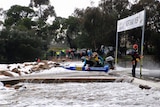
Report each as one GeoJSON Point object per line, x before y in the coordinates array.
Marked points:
{"type": "Point", "coordinates": [83, 58]}
{"type": "Point", "coordinates": [135, 46]}
{"type": "Point", "coordinates": [94, 54]}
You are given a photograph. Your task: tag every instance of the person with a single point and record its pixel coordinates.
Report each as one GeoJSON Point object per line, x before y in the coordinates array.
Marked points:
{"type": "Point", "coordinates": [57, 54]}
{"type": "Point", "coordinates": [135, 58]}
{"type": "Point", "coordinates": [102, 50]}
{"type": "Point", "coordinates": [94, 61]}
{"type": "Point", "coordinates": [110, 62]}
{"type": "Point", "coordinates": [87, 62]}
{"type": "Point", "coordinates": [97, 59]}
{"type": "Point", "coordinates": [89, 53]}
{"type": "Point", "coordinates": [38, 60]}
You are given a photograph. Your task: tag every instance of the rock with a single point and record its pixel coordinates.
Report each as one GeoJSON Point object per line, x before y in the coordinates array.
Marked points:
{"type": "Point", "coordinates": [6, 73]}
{"type": "Point", "coordinates": [144, 86]}
{"type": "Point", "coordinates": [19, 86]}
{"type": "Point", "coordinates": [45, 66]}
{"type": "Point", "coordinates": [8, 85]}
{"type": "Point", "coordinates": [119, 80]}
{"type": "Point", "coordinates": [56, 64]}
{"type": "Point", "coordinates": [128, 79]}
{"type": "Point", "coordinates": [35, 68]}
{"type": "Point", "coordinates": [15, 70]}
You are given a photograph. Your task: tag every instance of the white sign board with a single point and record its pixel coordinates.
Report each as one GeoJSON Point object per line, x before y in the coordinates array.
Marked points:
{"type": "Point", "coordinates": [131, 22]}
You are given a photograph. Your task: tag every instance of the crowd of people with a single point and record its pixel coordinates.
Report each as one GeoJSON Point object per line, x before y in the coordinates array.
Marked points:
{"type": "Point", "coordinates": [62, 54]}
{"type": "Point", "coordinates": [96, 58]}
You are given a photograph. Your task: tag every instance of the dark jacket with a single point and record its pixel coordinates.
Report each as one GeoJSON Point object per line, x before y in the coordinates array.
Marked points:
{"type": "Point", "coordinates": [135, 55]}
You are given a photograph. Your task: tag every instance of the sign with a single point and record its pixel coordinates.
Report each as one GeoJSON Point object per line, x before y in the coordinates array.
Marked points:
{"type": "Point", "coordinates": [131, 22]}
{"type": "Point", "coordinates": [128, 23]}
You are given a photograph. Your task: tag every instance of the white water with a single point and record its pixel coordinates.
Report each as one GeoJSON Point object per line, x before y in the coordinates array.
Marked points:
{"type": "Point", "coordinates": [79, 94]}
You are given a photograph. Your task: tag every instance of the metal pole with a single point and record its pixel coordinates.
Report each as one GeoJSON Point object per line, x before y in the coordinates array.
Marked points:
{"type": "Point", "coordinates": [116, 54]}
{"type": "Point", "coordinates": [142, 42]}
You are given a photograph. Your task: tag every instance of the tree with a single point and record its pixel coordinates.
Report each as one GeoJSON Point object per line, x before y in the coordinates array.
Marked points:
{"type": "Point", "coordinates": [73, 27]}
{"type": "Point", "coordinates": [99, 23]}
{"type": "Point", "coordinates": [18, 15]}
{"type": "Point", "coordinates": [22, 48]}
{"type": "Point", "coordinates": [66, 30]}
{"type": "Point", "coordinates": [45, 11]}
{"type": "Point", "coordinates": [19, 38]}
{"type": "Point", "coordinates": [152, 21]}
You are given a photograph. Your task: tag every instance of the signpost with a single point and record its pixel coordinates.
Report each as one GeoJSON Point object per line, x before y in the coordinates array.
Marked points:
{"type": "Point", "coordinates": [134, 21]}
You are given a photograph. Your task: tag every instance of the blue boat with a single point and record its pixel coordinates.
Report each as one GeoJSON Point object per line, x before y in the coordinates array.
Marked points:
{"type": "Point", "coordinates": [104, 69]}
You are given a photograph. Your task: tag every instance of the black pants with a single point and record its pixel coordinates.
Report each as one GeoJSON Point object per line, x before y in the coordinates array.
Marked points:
{"type": "Point", "coordinates": [90, 63]}
{"type": "Point", "coordinates": [134, 65]}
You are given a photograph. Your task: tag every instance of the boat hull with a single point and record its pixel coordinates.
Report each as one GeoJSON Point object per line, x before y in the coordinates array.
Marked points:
{"type": "Point", "coordinates": [105, 68]}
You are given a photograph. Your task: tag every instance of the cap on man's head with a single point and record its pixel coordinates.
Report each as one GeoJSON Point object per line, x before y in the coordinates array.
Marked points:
{"type": "Point", "coordinates": [135, 46]}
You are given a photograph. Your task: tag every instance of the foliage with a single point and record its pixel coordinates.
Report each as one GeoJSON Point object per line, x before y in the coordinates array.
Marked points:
{"type": "Point", "coordinates": [155, 46]}
{"type": "Point", "coordinates": [24, 39]}
{"type": "Point", "coordinates": [19, 46]}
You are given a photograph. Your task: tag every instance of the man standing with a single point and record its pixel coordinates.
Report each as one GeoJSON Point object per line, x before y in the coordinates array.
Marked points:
{"type": "Point", "coordinates": [135, 58]}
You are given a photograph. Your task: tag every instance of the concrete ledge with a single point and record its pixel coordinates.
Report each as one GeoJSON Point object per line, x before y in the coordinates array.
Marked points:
{"type": "Point", "coordinates": [80, 79]}
{"type": "Point", "coordinates": [13, 81]}
{"type": "Point", "coordinates": [146, 82]}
